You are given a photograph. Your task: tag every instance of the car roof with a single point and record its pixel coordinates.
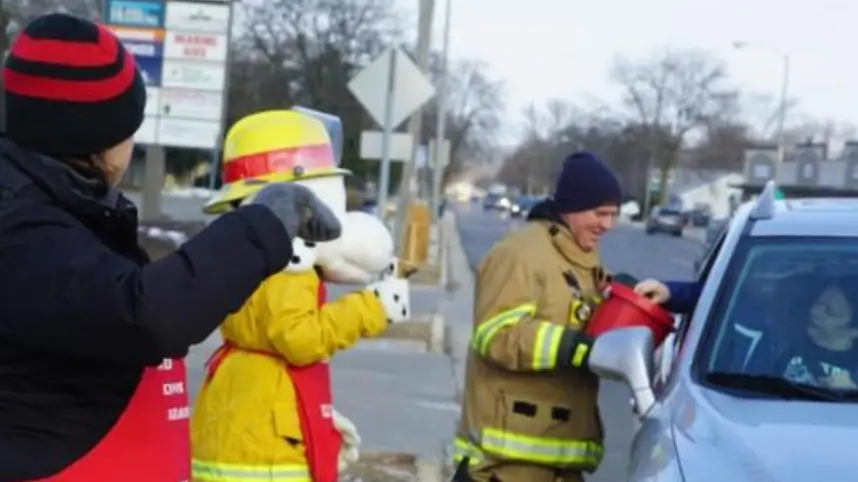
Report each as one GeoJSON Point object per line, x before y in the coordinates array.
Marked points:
{"type": "Point", "coordinates": [810, 217]}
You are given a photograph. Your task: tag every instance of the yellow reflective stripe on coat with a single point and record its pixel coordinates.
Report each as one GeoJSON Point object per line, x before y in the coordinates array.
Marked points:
{"type": "Point", "coordinates": [546, 346]}
{"type": "Point", "coordinates": [542, 450]}
{"type": "Point", "coordinates": [484, 333]}
{"type": "Point", "coordinates": [462, 448]}
{"type": "Point", "coordinates": [221, 472]}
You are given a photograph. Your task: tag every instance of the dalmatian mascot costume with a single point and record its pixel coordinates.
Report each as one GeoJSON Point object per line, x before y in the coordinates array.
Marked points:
{"type": "Point", "coordinates": [265, 411]}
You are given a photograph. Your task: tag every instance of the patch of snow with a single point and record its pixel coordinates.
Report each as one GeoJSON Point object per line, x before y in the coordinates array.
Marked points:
{"type": "Point", "coordinates": [191, 192]}
{"type": "Point", "coordinates": [176, 237]}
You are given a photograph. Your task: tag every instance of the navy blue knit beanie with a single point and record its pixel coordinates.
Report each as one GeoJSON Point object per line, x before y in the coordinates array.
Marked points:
{"type": "Point", "coordinates": [585, 183]}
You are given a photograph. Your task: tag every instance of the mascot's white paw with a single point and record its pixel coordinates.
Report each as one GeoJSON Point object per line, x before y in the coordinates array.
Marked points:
{"type": "Point", "coordinates": [361, 254]}
{"type": "Point", "coordinates": [303, 256]}
{"type": "Point", "coordinates": [394, 296]}
{"type": "Point", "coordinates": [350, 450]}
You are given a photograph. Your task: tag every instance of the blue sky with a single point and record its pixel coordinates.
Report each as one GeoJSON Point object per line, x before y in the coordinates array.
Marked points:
{"type": "Point", "coordinates": [563, 48]}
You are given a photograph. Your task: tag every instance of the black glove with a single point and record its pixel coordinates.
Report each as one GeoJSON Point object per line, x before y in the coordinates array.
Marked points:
{"type": "Point", "coordinates": [574, 349]}
{"type": "Point", "coordinates": [302, 213]}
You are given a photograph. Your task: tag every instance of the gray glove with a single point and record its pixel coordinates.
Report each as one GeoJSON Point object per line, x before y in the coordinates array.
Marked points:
{"type": "Point", "coordinates": [302, 213]}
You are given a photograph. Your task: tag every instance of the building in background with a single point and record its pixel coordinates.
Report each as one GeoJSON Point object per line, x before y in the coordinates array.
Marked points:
{"type": "Point", "coordinates": [808, 172]}
{"type": "Point", "coordinates": [717, 189]}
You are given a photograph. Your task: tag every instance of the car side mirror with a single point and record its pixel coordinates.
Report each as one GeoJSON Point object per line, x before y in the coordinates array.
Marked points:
{"type": "Point", "coordinates": [626, 355]}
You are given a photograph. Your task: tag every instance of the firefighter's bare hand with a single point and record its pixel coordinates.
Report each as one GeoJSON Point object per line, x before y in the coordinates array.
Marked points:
{"type": "Point", "coordinates": [654, 290]}
{"type": "Point", "coordinates": [302, 213]}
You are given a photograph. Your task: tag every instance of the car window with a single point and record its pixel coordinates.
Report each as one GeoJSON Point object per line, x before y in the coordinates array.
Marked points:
{"type": "Point", "coordinates": [787, 308]}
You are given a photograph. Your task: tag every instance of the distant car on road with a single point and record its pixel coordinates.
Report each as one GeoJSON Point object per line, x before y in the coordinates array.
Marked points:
{"type": "Point", "coordinates": [700, 216]}
{"type": "Point", "coordinates": [522, 205]}
{"type": "Point", "coordinates": [495, 202]}
{"type": "Point", "coordinates": [666, 219]}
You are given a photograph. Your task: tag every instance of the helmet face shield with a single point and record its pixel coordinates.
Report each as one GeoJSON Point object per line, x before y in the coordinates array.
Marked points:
{"type": "Point", "coordinates": [332, 124]}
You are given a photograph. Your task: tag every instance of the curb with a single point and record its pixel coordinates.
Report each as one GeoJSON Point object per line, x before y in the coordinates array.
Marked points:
{"type": "Point", "coordinates": [429, 469]}
{"type": "Point", "coordinates": [437, 334]}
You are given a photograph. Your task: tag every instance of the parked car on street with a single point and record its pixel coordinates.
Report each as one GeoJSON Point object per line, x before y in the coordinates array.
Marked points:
{"type": "Point", "coordinates": [666, 219]}
{"type": "Point", "coordinates": [746, 389]}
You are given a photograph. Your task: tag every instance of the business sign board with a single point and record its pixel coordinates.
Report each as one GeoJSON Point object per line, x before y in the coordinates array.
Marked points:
{"type": "Point", "coordinates": [143, 13]}
{"type": "Point", "coordinates": [186, 74]}
{"type": "Point", "coordinates": [153, 101]}
{"type": "Point", "coordinates": [188, 133]}
{"type": "Point", "coordinates": [144, 49]}
{"type": "Point", "coordinates": [155, 35]}
{"type": "Point", "coordinates": [195, 46]}
{"type": "Point", "coordinates": [197, 17]}
{"type": "Point", "coordinates": [148, 131]}
{"type": "Point", "coordinates": [151, 68]}
{"type": "Point", "coordinates": [191, 104]}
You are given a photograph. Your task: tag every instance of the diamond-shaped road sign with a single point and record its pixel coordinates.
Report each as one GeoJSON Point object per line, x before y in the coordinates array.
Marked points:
{"type": "Point", "coordinates": [411, 89]}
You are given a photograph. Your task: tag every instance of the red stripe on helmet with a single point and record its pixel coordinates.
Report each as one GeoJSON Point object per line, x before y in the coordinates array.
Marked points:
{"type": "Point", "coordinates": [296, 159]}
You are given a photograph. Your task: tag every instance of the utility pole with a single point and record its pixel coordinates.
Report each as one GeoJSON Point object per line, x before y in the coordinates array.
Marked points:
{"type": "Point", "coordinates": [440, 152]}
{"type": "Point", "coordinates": [415, 125]}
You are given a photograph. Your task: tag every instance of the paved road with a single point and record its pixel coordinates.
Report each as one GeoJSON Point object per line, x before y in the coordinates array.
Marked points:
{"type": "Point", "coordinates": [626, 249]}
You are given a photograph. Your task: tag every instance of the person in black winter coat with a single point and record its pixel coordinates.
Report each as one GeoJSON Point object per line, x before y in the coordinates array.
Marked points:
{"type": "Point", "coordinates": [83, 312]}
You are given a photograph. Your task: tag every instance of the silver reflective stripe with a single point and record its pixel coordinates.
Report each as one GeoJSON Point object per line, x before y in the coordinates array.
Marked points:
{"type": "Point", "coordinates": [547, 451]}
{"type": "Point", "coordinates": [546, 346]}
{"type": "Point", "coordinates": [220, 472]}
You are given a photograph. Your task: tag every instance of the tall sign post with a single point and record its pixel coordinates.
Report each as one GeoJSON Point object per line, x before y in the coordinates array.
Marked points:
{"type": "Point", "coordinates": [390, 89]}
{"type": "Point", "coordinates": [182, 50]}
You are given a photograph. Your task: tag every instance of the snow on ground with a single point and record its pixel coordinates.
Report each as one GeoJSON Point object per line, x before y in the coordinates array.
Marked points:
{"type": "Point", "coordinates": [190, 192]}
{"type": "Point", "coordinates": [177, 237]}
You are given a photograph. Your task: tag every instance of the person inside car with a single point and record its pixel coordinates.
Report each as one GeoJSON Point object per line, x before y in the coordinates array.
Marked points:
{"type": "Point", "coordinates": [822, 350]}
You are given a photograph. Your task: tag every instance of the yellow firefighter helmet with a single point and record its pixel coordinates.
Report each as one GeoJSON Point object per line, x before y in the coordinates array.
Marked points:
{"type": "Point", "coordinates": [272, 146]}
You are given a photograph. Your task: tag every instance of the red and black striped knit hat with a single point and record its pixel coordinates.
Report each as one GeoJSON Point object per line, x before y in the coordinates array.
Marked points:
{"type": "Point", "coordinates": [71, 88]}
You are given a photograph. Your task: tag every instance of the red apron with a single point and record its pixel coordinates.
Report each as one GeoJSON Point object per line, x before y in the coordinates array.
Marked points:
{"type": "Point", "coordinates": [151, 440]}
{"type": "Point", "coordinates": [312, 386]}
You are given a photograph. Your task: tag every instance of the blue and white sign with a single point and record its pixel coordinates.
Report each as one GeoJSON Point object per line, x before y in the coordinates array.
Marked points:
{"type": "Point", "coordinates": [144, 49]}
{"type": "Point", "coordinates": [151, 68]}
{"type": "Point", "coordinates": [145, 14]}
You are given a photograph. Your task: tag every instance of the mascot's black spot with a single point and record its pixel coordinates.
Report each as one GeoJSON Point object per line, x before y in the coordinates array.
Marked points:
{"type": "Point", "coordinates": [309, 244]}
{"type": "Point", "coordinates": [396, 298]}
{"type": "Point", "coordinates": [405, 312]}
{"type": "Point", "coordinates": [295, 260]}
{"type": "Point", "coordinates": [376, 293]}
{"type": "Point", "coordinates": [391, 268]}
{"type": "Point", "coordinates": [389, 321]}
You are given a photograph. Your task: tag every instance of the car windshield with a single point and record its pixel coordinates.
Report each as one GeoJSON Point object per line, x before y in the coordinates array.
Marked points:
{"type": "Point", "coordinates": [668, 212]}
{"type": "Point", "coordinates": [787, 310]}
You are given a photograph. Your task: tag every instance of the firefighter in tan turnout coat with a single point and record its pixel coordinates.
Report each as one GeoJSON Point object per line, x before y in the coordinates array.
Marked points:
{"type": "Point", "coordinates": [529, 411]}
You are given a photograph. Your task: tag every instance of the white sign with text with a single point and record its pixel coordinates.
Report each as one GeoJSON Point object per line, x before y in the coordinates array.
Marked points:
{"type": "Point", "coordinates": [148, 131]}
{"type": "Point", "coordinates": [188, 133]}
{"type": "Point", "coordinates": [153, 100]}
{"type": "Point", "coordinates": [188, 74]}
{"type": "Point", "coordinates": [197, 17]}
{"type": "Point", "coordinates": [195, 46]}
{"type": "Point", "coordinates": [191, 104]}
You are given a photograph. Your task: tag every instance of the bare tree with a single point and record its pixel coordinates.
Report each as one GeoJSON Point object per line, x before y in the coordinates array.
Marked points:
{"type": "Point", "coordinates": [672, 92]}
{"type": "Point", "coordinates": [295, 52]}
{"type": "Point", "coordinates": [474, 115]}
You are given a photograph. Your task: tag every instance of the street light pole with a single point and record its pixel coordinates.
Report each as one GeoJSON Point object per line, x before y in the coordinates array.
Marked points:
{"type": "Point", "coordinates": [784, 96]}
{"type": "Point", "coordinates": [783, 107]}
